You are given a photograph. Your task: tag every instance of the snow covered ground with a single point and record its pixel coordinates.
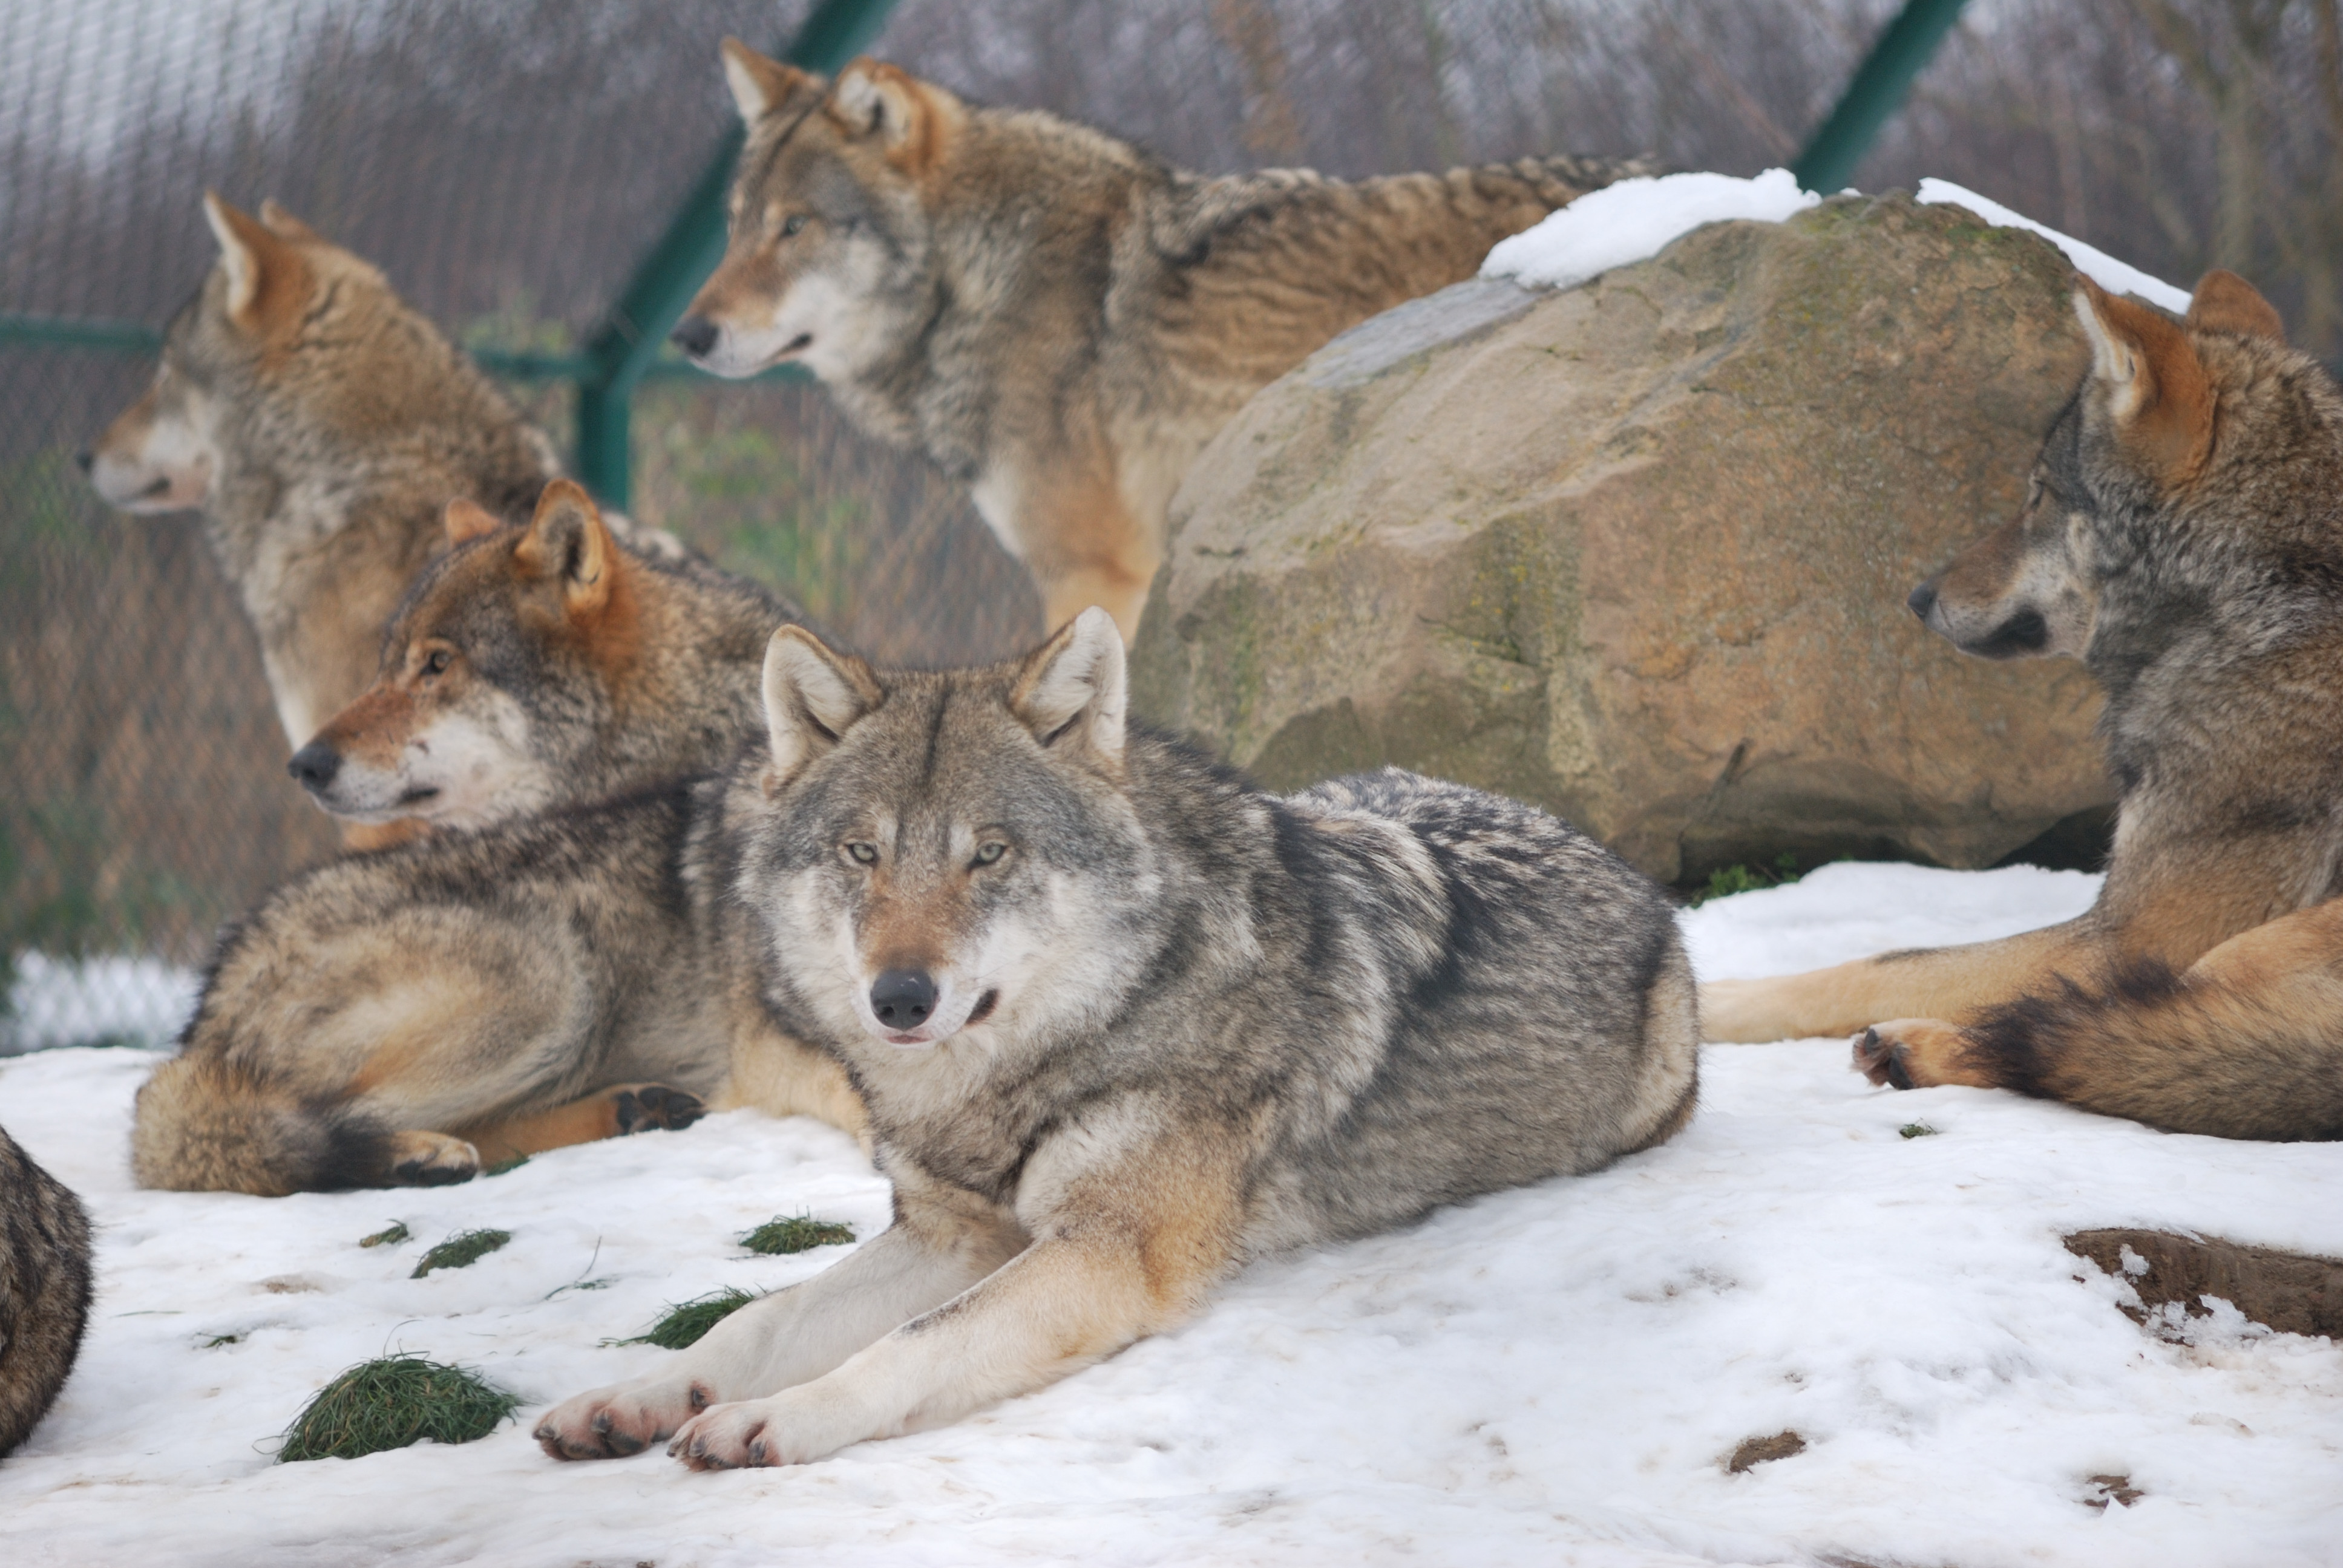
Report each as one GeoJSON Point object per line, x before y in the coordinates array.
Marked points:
{"type": "Point", "coordinates": [1553, 1376]}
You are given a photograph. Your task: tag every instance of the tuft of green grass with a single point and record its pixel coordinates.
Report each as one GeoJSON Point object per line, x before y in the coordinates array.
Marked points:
{"type": "Point", "coordinates": [684, 1322]}
{"type": "Point", "coordinates": [460, 1251]}
{"type": "Point", "coordinates": [1916, 1130]}
{"type": "Point", "coordinates": [390, 1236]}
{"type": "Point", "coordinates": [391, 1402]}
{"type": "Point", "coordinates": [796, 1234]}
{"type": "Point", "coordinates": [501, 1166]}
{"type": "Point", "coordinates": [216, 1341]}
{"type": "Point", "coordinates": [1727, 880]}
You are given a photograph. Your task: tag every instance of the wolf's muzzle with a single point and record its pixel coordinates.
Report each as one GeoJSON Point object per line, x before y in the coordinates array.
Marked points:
{"type": "Point", "coordinates": [313, 767]}
{"type": "Point", "coordinates": [695, 334]}
{"type": "Point", "coordinates": [903, 998]}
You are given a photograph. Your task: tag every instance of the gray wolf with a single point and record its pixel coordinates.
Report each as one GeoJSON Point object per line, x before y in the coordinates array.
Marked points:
{"type": "Point", "coordinates": [321, 425]}
{"type": "Point", "coordinates": [1123, 1021]}
{"type": "Point", "coordinates": [1053, 316]}
{"type": "Point", "coordinates": [2183, 536]}
{"type": "Point", "coordinates": [543, 665]}
{"type": "Point", "coordinates": [44, 1290]}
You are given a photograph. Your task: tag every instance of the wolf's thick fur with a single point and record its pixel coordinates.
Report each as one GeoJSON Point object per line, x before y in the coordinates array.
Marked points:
{"type": "Point", "coordinates": [2184, 537]}
{"type": "Point", "coordinates": [400, 1018]}
{"type": "Point", "coordinates": [546, 665]}
{"type": "Point", "coordinates": [1123, 1022]}
{"type": "Point", "coordinates": [322, 425]}
{"type": "Point", "coordinates": [44, 1290]}
{"type": "Point", "coordinates": [1051, 315]}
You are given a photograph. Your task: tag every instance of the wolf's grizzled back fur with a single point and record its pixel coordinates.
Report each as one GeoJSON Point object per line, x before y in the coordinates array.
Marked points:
{"type": "Point", "coordinates": [44, 1290]}
{"type": "Point", "coordinates": [1122, 1021]}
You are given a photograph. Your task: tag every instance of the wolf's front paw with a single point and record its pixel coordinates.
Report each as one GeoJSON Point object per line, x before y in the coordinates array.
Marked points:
{"type": "Point", "coordinates": [1914, 1053]}
{"type": "Point", "coordinates": [431, 1160]}
{"type": "Point", "coordinates": [641, 1107]}
{"type": "Point", "coordinates": [793, 1427]}
{"type": "Point", "coordinates": [612, 1423]}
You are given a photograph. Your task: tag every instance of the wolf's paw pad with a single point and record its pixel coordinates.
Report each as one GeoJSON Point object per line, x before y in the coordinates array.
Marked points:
{"type": "Point", "coordinates": [655, 1105]}
{"type": "Point", "coordinates": [431, 1160]}
{"type": "Point", "coordinates": [1882, 1059]}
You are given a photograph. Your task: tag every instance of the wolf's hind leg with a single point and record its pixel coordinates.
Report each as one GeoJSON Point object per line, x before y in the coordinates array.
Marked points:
{"type": "Point", "coordinates": [1932, 982]}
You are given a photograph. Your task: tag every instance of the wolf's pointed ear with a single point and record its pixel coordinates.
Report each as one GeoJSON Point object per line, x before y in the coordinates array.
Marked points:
{"type": "Point", "coordinates": [2224, 302]}
{"type": "Point", "coordinates": [812, 697]}
{"type": "Point", "coordinates": [285, 226]}
{"type": "Point", "coordinates": [759, 83]}
{"type": "Point", "coordinates": [912, 119]}
{"type": "Point", "coordinates": [1073, 691]}
{"type": "Point", "coordinates": [268, 282]}
{"type": "Point", "coordinates": [467, 519]}
{"type": "Point", "coordinates": [566, 538]}
{"type": "Point", "coordinates": [2154, 389]}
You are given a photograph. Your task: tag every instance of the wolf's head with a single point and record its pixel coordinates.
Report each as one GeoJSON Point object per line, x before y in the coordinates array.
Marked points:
{"type": "Point", "coordinates": [831, 257]}
{"type": "Point", "coordinates": [938, 856]}
{"type": "Point", "coordinates": [497, 673]}
{"type": "Point", "coordinates": [2197, 457]}
{"type": "Point", "coordinates": [293, 347]}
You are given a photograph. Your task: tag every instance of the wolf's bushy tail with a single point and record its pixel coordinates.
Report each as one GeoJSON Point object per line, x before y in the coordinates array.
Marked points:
{"type": "Point", "coordinates": [2187, 1056]}
{"type": "Point", "coordinates": [44, 1290]}
{"type": "Point", "coordinates": [205, 1126]}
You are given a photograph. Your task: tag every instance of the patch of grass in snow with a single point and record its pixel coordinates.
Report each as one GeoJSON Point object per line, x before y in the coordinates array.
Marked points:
{"type": "Point", "coordinates": [391, 1402]}
{"type": "Point", "coordinates": [460, 1251]}
{"type": "Point", "coordinates": [390, 1236]}
{"type": "Point", "coordinates": [1916, 1130]}
{"type": "Point", "coordinates": [685, 1321]}
{"type": "Point", "coordinates": [1727, 880]}
{"type": "Point", "coordinates": [797, 1234]}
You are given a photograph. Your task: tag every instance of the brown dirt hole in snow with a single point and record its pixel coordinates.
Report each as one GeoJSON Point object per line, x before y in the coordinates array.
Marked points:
{"type": "Point", "coordinates": [2289, 1292]}
{"type": "Point", "coordinates": [1757, 1450]}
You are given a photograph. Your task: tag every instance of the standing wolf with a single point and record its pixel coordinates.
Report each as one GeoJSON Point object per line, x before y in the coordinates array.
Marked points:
{"type": "Point", "coordinates": [44, 1290]}
{"type": "Point", "coordinates": [1123, 1021]}
{"type": "Point", "coordinates": [1050, 315]}
{"type": "Point", "coordinates": [2184, 537]}
{"type": "Point", "coordinates": [322, 425]}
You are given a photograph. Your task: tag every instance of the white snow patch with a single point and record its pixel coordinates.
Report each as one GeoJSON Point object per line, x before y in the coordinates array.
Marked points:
{"type": "Point", "coordinates": [1552, 1375]}
{"type": "Point", "coordinates": [84, 1001]}
{"type": "Point", "coordinates": [1637, 218]}
{"type": "Point", "coordinates": [2115, 276]}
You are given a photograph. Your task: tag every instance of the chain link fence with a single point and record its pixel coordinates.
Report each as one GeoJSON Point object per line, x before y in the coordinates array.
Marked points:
{"type": "Point", "coordinates": [507, 163]}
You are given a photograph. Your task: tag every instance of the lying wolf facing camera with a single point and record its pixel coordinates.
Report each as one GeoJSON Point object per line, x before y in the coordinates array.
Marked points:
{"type": "Point", "coordinates": [1123, 1021]}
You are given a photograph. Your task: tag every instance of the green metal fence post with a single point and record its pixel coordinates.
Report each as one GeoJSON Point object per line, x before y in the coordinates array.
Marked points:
{"type": "Point", "coordinates": [1875, 93]}
{"type": "Point", "coordinates": [655, 298]}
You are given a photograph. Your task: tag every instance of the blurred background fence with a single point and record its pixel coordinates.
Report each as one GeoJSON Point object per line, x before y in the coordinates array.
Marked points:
{"type": "Point", "coordinates": [508, 163]}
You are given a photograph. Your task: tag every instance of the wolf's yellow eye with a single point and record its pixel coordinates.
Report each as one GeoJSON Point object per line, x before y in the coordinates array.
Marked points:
{"type": "Point", "coordinates": [986, 854]}
{"type": "Point", "coordinates": [792, 224]}
{"type": "Point", "coordinates": [864, 854]}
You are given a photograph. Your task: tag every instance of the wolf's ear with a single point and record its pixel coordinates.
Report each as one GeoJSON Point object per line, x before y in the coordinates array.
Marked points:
{"type": "Point", "coordinates": [466, 520]}
{"type": "Point", "coordinates": [759, 83]}
{"type": "Point", "coordinates": [567, 537]}
{"type": "Point", "coordinates": [913, 120]}
{"type": "Point", "coordinates": [2224, 302]}
{"type": "Point", "coordinates": [812, 697]}
{"type": "Point", "coordinates": [268, 282]}
{"type": "Point", "coordinates": [2154, 389]}
{"type": "Point", "coordinates": [285, 226]}
{"type": "Point", "coordinates": [1073, 691]}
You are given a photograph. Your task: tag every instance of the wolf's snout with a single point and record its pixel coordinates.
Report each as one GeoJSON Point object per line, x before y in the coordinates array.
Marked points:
{"type": "Point", "coordinates": [315, 766]}
{"type": "Point", "coordinates": [1922, 599]}
{"type": "Point", "coordinates": [695, 334]}
{"type": "Point", "coordinates": [903, 998]}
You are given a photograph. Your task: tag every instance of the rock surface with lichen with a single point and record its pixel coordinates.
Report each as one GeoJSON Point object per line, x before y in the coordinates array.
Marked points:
{"type": "Point", "coordinates": [1637, 551]}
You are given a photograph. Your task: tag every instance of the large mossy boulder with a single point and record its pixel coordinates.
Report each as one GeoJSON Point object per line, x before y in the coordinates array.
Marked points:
{"type": "Point", "coordinates": [1637, 551]}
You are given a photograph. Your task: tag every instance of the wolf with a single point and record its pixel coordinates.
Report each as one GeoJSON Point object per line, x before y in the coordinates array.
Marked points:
{"type": "Point", "coordinates": [45, 1290]}
{"type": "Point", "coordinates": [1053, 316]}
{"type": "Point", "coordinates": [2183, 536]}
{"type": "Point", "coordinates": [321, 425]}
{"type": "Point", "coordinates": [537, 665]}
{"type": "Point", "coordinates": [1123, 1021]}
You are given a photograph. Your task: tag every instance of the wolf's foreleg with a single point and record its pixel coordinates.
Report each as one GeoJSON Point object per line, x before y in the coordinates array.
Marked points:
{"type": "Point", "coordinates": [1119, 1253]}
{"type": "Point", "coordinates": [788, 1337]}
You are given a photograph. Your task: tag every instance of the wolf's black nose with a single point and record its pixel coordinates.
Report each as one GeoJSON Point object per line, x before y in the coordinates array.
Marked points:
{"type": "Point", "coordinates": [695, 334]}
{"type": "Point", "coordinates": [1922, 599]}
{"type": "Point", "coordinates": [903, 998]}
{"type": "Point", "coordinates": [84, 459]}
{"type": "Point", "coordinates": [315, 766]}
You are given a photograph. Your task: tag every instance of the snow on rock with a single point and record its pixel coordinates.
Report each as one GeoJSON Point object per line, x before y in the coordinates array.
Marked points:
{"type": "Point", "coordinates": [1552, 1375]}
{"type": "Point", "coordinates": [1636, 218]}
{"type": "Point", "coordinates": [2115, 276]}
